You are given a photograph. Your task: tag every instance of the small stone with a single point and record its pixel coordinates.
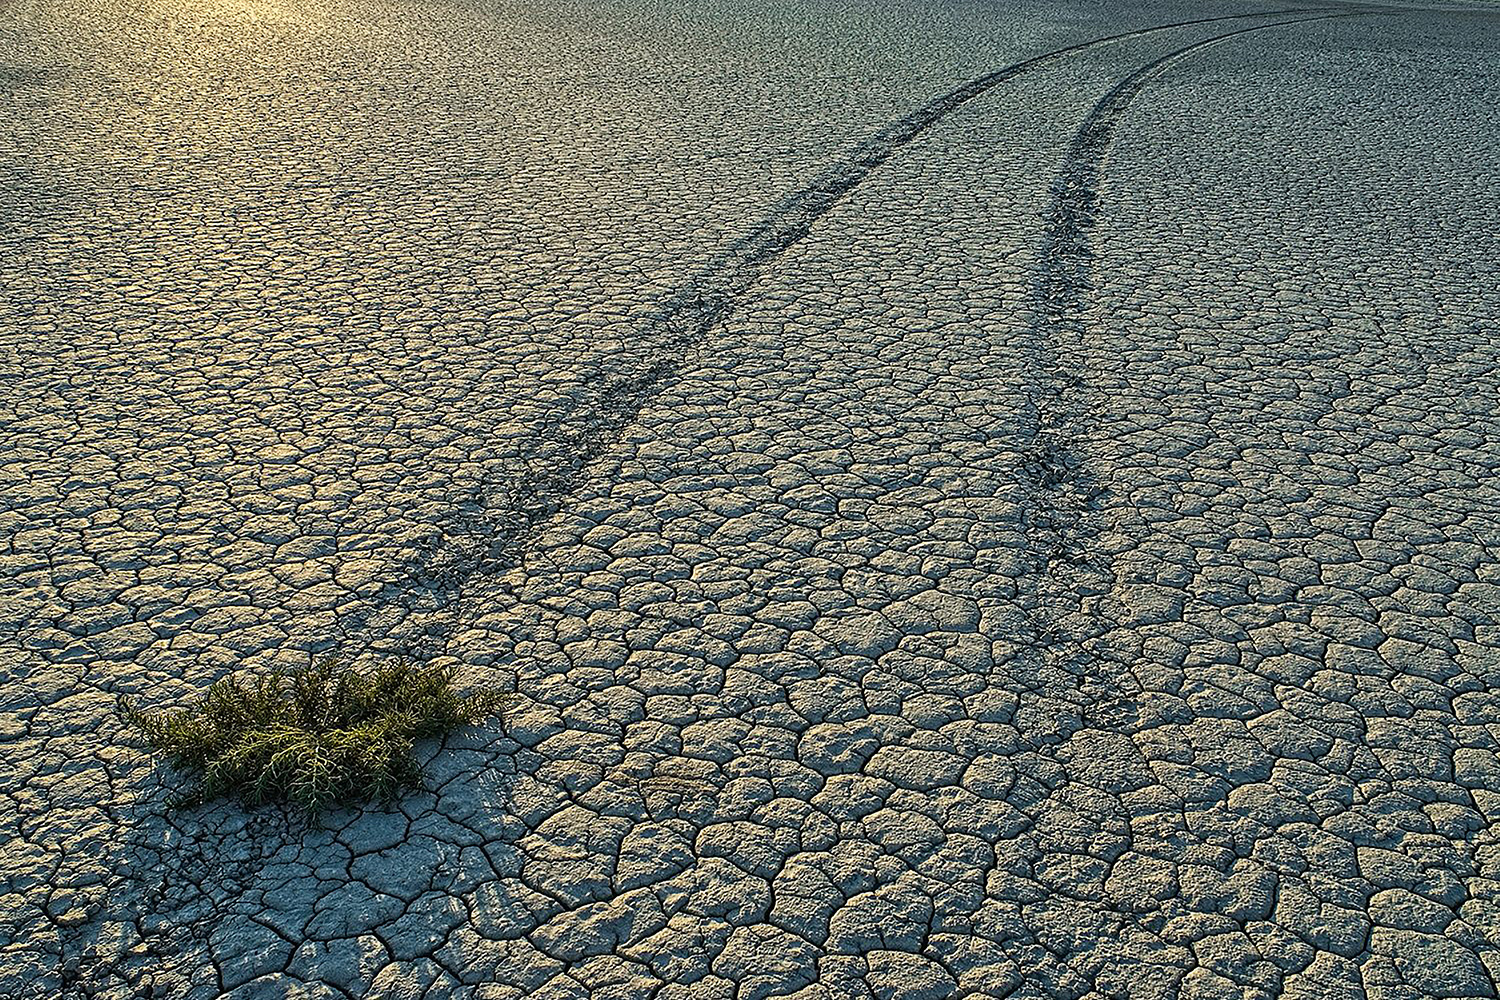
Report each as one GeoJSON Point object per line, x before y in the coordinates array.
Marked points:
{"type": "Point", "coordinates": [1401, 908]}
{"type": "Point", "coordinates": [909, 767]}
{"type": "Point", "coordinates": [1476, 769]}
{"type": "Point", "coordinates": [899, 975]}
{"type": "Point", "coordinates": [861, 633]}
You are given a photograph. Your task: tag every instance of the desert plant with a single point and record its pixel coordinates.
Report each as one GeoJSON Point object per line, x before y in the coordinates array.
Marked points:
{"type": "Point", "coordinates": [318, 736]}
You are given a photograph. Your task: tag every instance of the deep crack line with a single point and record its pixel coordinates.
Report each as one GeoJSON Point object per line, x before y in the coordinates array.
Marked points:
{"type": "Point", "coordinates": [488, 532]}
{"type": "Point", "coordinates": [1063, 515]}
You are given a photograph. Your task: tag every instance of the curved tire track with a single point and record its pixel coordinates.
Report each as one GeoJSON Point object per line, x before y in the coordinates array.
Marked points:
{"type": "Point", "coordinates": [1064, 512]}
{"type": "Point", "coordinates": [487, 532]}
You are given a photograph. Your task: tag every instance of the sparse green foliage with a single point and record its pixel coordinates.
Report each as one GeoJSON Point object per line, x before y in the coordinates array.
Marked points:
{"type": "Point", "coordinates": [315, 737]}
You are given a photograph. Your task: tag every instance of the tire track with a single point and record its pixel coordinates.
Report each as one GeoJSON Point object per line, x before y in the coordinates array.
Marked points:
{"type": "Point", "coordinates": [487, 532]}
{"type": "Point", "coordinates": [1069, 578]}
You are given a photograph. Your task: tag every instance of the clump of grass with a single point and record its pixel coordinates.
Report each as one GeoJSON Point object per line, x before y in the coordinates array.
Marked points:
{"type": "Point", "coordinates": [315, 737]}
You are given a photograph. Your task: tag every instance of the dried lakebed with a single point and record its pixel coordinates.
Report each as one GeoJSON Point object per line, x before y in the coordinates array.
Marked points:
{"type": "Point", "coordinates": [986, 501]}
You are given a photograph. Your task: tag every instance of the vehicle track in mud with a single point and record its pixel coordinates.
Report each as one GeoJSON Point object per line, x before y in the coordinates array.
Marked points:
{"type": "Point", "coordinates": [1063, 514]}
{"type": "Point", "coordinates": [488, 531]}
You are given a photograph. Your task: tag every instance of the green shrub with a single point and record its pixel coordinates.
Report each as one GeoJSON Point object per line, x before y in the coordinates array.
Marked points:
{"type": "Point", "coordinates": [320, 736]}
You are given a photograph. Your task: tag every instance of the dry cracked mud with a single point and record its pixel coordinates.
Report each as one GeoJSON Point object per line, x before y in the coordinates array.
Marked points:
{"type": "Point", "coordinates": [975, 499]}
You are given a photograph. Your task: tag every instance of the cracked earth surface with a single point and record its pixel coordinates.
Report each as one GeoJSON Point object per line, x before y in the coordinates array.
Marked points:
{"type": "Point", "coordinates": [967, 510]}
